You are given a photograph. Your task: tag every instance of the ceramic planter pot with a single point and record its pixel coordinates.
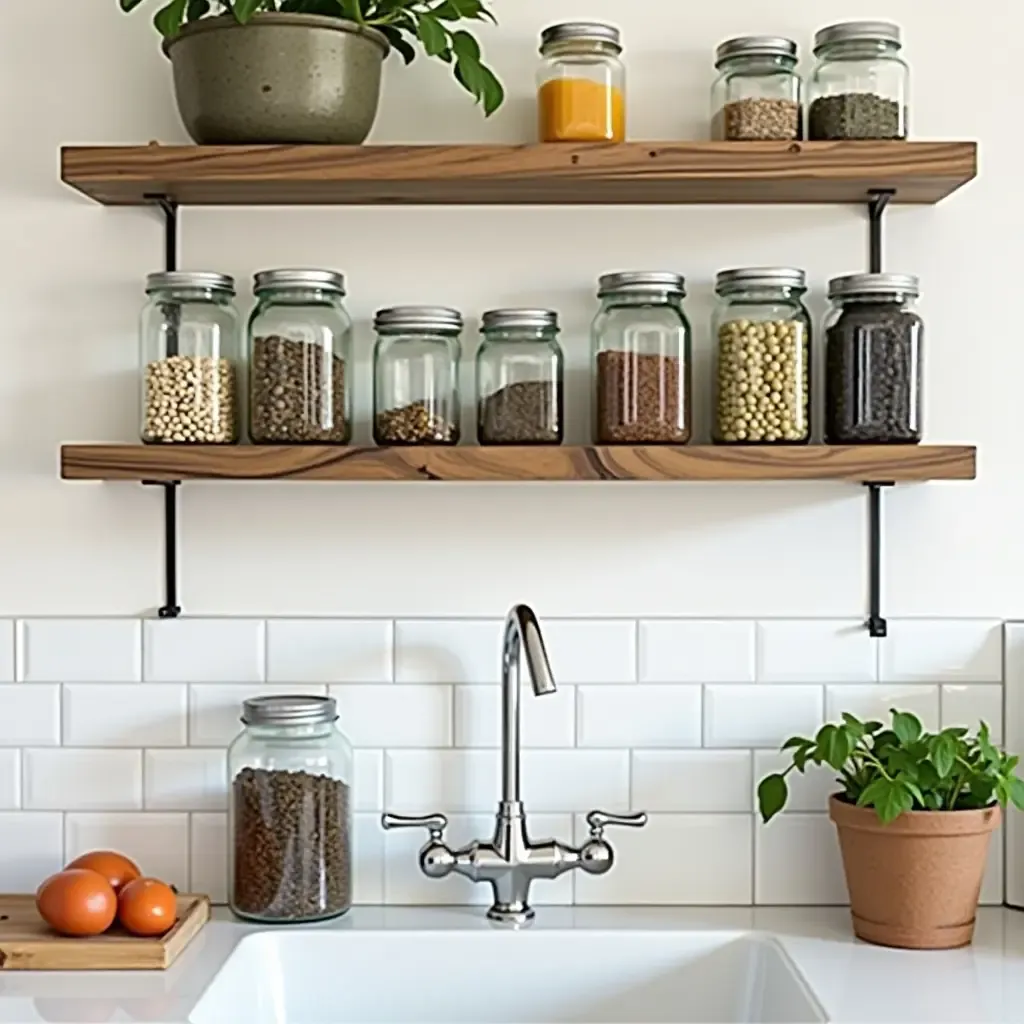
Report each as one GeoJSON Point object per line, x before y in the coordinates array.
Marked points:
{"type": "Point", "coordinates": [282, 78]}
{"type": "Point", "coordinates": [915, 882]}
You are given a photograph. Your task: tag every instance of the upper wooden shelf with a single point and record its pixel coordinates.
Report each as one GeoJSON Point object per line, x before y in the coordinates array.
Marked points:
{"type": "Point", "coordinates": [870, 464]}
{"type": "Point", "coordinates": [563, 174]}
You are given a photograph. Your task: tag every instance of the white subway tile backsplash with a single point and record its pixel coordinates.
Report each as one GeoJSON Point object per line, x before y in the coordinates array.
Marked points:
{"type": "Point", "coordinates": [942, 651]}
{"type": "Point", "coordinates": [808, 791]}
{"type": "Point", "coordinates": [186, 780]}
{"type": "Point", "coordinates": [82, 780]}
{"type": "Point", "coordinates": [448, 651]}
{"type": "Point", "coordinates": [702, 781]}
{"type": "Point", "coordinates": [29, 715]}
{"type": "Point", "coordinates": [815, 651]}
{"type": "Point", "coordinates": [575, 780]}
{"type": "Point", "coordinates": [329, 650]}
{"type": "Point", "coordinates": [114, 715]}
{"type": "Point", "coordinates": [7, 651]}
{"type": "Point", "coordinates": [639, 716]}
{"type": "Point", "coordinates": [368, 768]}
{"type": "Point", "coordinates": [215, 710]}
{"type": "Point", "coordinates": [798, 862]}
{"type": "Point", "coordinates": [208, 855]}
{"type": "Point", "coordinates": [548, 721]}
{"type": "Point", "coordinates": [875, 702]}
{"type": "Point", "coordinates": [367, 859]}
{"type": "Point", "coordinates": [33, 849]}
{"type": "Point", "coordinates": [595, 651]}
{"type": "Point", "coordinates": [395, 716]}
{"type": "Point", "coordinates": [10, 781]}
{"type": "Point", "coordinates": [204, 650]}
{"type": "Point", "coordinates": [81, 650]}
{"type": "Point", "coordinates": [696, 651]}
{"type": "Point", "coordinates": [760, 716]}
{"type": "Point", "coordinates": [453, 781]}
{"type": "Point", "coordinates": [968, 706]}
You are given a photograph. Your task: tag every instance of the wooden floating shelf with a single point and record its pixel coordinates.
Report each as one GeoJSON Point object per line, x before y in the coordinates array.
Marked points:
{"type": "Point", "coordinates": [564, 174]}
{"type": "Point", "coordinates": [877, 464]}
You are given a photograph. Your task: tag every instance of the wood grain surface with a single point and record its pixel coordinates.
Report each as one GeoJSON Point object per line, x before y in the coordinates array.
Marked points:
{"type": "Point", "coordinates": [895, 463]}
{"type": "Point", "coordinates": [28, 944]}
{"type": "Point", "coordinates": [560, 173]}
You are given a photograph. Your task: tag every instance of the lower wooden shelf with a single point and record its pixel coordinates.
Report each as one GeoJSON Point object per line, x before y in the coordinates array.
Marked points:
{"type": "Point", "coordinates": [858, 463]}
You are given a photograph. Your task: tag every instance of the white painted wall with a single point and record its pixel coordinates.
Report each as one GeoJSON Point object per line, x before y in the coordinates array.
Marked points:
{"type": "Point", "coordinates": [72, 273]}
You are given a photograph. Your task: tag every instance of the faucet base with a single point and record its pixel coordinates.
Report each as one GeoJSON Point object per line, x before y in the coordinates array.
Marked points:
{"type": "Point", "coordinates": [511, 913]}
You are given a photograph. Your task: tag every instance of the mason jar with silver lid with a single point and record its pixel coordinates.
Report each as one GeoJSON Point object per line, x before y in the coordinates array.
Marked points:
{"type": "Point", "coordinates": [300, 359]}
{"type": "Point", "coordinates": [190, 350]}
{"type": "Point", "coordinates": [290, 812]}
{"type": "Point", "coordinates": [416, 375]}
{"type": "Point", "coordinates": [860, 86]}
{"type": "Point", "coordinates": [758, 94]}
{"type": "Point", "coordinates": [873, 360]}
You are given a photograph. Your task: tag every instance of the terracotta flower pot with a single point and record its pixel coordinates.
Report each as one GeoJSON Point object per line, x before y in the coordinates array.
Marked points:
{"type": "Point", "coordinates": [915, 882]}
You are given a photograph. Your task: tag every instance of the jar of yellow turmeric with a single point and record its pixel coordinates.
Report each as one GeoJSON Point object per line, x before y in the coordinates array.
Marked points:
{"type": "Point", "coordinates": [582, 84]}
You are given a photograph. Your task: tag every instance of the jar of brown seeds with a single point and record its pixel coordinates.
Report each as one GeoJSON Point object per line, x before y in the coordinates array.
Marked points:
{"type": "Point", "coordinates": [758, 94]}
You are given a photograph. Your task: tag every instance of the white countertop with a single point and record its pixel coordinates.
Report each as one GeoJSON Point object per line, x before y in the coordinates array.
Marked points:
{"type": "Point", "coordinates": [853, 981]}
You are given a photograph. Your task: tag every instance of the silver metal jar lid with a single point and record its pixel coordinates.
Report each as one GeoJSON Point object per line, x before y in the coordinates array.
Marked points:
{"type": "Point", "coordinates": [759, 277]}
{"type": "Point", "coordinates": [874, 284]}
{"type": "Point", "coordinates": [641, 281]}
{"type": "Point", "coordinates": [755, 46]}
{"type": "Point", "coordinates": [199, 279]}
{"type": "Point", "coordinates": [289, 710]}
{"type": "Point", "coordinates": [582, 31]}
{"type": "Point", "coordinates": [294, 277]}
{"type": "Point", "coordinates": [430, 319]}
{"type": "Point", "coordinates": [527, 319]}
{"type": "Point", "coordinates": [858, 32]}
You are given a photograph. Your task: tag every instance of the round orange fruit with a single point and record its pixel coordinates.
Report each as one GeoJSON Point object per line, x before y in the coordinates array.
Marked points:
{"type": "Point", "coordinates": [115, 867]}
{"type": "Point", "coordinates": [147, 907]}
{"type": "Point", "coordinates": [77, 902]}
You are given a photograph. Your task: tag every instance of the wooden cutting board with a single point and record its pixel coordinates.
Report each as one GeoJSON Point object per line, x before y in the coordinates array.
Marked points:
{"type": "Point", "coordinates": [27, 943]}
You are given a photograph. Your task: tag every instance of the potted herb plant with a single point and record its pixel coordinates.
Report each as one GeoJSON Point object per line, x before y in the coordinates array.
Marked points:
{"type": "Point", "coordinates": [293, 71]}
{"type": "Point", "coordinates": [915, 812]}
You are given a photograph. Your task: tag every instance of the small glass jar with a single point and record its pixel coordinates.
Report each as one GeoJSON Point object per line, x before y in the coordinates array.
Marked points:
{"type": "Point", "coordinates": [416, 375]}
{"type": "Point", "coordinates": [520, 378]}
{"type": "Point", "coordinates": [290, 812]}
{"type": "Point", "coordinates": [582, 84]}
{"type": "Point", "coordinates": [300, 359]}
{"type": "Point", "coordinates": [860, 86]}
{"type": "Point", "coordinates": [873, 358]}
{"type": "Point", "coordinates": [190, 348]}
{"type": "Point", "coordinates": [762, 357]}
{"type": "Point", "coordinates": [642, 360]}
{"type": "Point", "coordinates": [758, 94]}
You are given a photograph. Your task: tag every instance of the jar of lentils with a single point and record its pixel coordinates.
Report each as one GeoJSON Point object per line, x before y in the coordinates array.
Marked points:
{"type": "Point", "coordinates": [190, 348]}
{"type": "Point", "coordinates": [873, 360]}
{"type": "Point", "coordinates": [290, 812]}
{"type": "Point", "coordinates": [860, 86]}
{"type": "Point", "coordinates": [520, 378]}
{"type": "Point", "coordinates": [416, 375]}
{"type": "Point", "coordinates": [763, 357]}
{"type": "Point", "coordinates": [758, 93]}
{"type": "Point", "coordinates": [300, 359]}
{"type": "Point", "coordinates": [642, 360]}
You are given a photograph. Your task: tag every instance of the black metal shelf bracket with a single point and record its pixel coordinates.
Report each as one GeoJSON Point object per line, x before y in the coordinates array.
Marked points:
{"type": "Point", "coordinates": [878, 201]}
{"type": "Point", "coordinates": [877, 626]}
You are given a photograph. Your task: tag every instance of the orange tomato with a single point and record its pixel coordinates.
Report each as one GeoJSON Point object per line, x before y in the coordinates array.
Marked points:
{"type": "Point", "coordinates": [116, 868]}
{"type": "Point", "coordinates": [147, 907]}
{"type": "Point", "coordinates": [77, 902]}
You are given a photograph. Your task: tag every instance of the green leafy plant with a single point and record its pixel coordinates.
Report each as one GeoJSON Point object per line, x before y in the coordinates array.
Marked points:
{"type": "Point", "coordinates": [429, 23]}
{"type": "Point", "coordinates": [902, 768]}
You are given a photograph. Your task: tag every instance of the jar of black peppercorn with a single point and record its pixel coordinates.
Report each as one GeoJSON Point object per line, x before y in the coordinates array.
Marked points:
{"type": "Point", "coordinates": [873, 360]}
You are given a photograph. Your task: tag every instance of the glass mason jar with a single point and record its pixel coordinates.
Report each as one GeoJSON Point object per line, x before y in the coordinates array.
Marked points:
{"type": "Point", "coordinates": [300, 359]}
{"type": "Point", "coordinates": [416, 375]}
{"type": "Point", "coordinates": [762, 357]}
{"type": "Point", "coordinates": [758, 93]}
{"type": "Point", "coordinates": [582, 84]}
{"type": "Point", "coordinates": [290, 812]}
{"type": "Point", "coordinates": [190, 348]}
{"type": "Point", "coordinates": [520, 378]}
{"type": "Point", "coordinates": [642, 360]}
{"type": "Point", "coordinates": [873, 360]}
{"type": "Point", "coordinates": [860, 86]}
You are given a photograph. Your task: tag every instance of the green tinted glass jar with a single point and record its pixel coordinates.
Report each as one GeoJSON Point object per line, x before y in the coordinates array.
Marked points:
{"type": "Point", "coordinates": [758, 94]}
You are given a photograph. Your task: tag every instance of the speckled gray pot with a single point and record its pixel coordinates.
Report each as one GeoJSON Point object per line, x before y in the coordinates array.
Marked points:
{"type": "Point", "coordinates": [282, 78]}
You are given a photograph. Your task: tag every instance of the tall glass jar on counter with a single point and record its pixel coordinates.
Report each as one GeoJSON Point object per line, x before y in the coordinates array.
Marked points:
{"type": "Point", "coordinates": [763, 357]}
{"type": "Point", "coordinates": [873, 359]}
{"type": "Point", "coordinates": [520, 378]}
{"type": "Point", "coordinates": [190, 348]}
{"type": "Point", "coordinates": [416, 375]}
{"type": "Point", "coordinates": [290, 812]}
{"type": "Point", "coordinates": [860, 86]}
{"type": "Point", "coordinates": [300, 359]}
{"type": "Point", "coordinates": [758, 94]}
{"type": "Point", "coordinates": [642, 360]}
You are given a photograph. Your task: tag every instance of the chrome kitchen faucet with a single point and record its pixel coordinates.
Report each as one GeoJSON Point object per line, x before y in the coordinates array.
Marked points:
{"type": "Point", "coordinates": [510, 862]}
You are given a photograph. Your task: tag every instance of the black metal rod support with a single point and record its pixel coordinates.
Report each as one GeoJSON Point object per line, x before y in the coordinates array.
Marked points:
{"type": "Point", "coordinates": [877, 626]}
{"type": "Point", "coordinates": [878, 201]}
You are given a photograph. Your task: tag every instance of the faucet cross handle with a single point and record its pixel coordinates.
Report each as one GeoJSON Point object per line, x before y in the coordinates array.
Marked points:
{"type": "Point", "coordinates": [600, 820]}
{"type": "Point", "coordinates": [435, 824]}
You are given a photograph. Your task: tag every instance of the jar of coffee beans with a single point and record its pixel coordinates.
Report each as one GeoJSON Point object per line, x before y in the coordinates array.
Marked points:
{"type": "Point", "coordinates": [860, 86]}
{"type": "Point", "coordinates": [520, 378]}
{"type": "Point", "coordinates": [290, 812]}
{"type": "Point", "coordinates": [758, 94]}
{"type": "Point", "coordinates": [873, 360]}
{"type": "Point", "coordinates": [190, 348]}
{"type": "Point", "coordinates": [416, 375]}
{"type": "Point", "coordinates": [300, 359]}
{"type": "Point", "coordinates": [763, 357]}
{"type": "Point", "coordinates": [642, 360]}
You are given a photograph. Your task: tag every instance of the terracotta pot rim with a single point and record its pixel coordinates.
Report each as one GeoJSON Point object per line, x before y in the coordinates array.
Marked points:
{"type": "Point", "coordinates": [962, 822]}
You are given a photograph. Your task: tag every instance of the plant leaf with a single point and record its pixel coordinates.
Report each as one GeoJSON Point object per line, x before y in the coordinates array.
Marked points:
{"type": "Point", "coordinates": [1017, 792]}
{"type": "Point", "coordinates": [168, 19]}
{"type": "Point", "coordinates": [772, 794]}
{"type": "Point", "coordinates": [433, 35]}
{"type": "Point", "coordinates": [197, 9]}
{"type": "Point", "coordinates": [402, 45]}
{"type": "Point", "coordinates": [837, 748]}
{"type": "Point", "coordinates": [906, 726]}
{"type": "Point", "coordinates": [130, 5]}
{"type": "Point", "coordinates": [944, 754]}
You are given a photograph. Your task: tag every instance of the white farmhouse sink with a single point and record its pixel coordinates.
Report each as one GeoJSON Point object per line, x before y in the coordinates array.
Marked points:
{"type": "Point", "coordinates": [495, 977]}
